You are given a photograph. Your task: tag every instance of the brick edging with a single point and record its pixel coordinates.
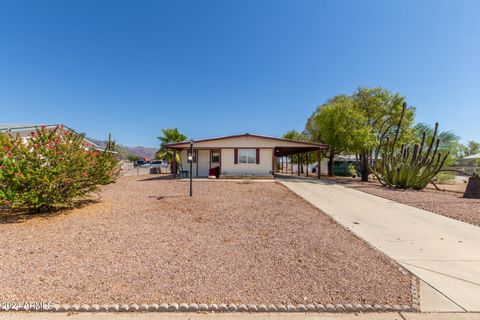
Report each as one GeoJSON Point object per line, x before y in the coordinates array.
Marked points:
{"type": "Point", "coordinates": [193, 307]}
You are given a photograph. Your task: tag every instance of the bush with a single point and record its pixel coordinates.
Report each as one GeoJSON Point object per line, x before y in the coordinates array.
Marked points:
{"type": "Point", "coordinates": [352, 170]}
{"type": "Point", "coordinates": [445, 177]}
{"type": "Point", "coordinates": [52, 168]}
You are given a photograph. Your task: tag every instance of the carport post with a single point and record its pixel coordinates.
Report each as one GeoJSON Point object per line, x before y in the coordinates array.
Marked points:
{"type": "Point", "coordinates": [174, 163]}
{"type": "Point", "coordinates": [306, 163]}
{"type": "Point", "coordinates": [298, 164]}
{"type": "Point", "coordinates": [318, 164]}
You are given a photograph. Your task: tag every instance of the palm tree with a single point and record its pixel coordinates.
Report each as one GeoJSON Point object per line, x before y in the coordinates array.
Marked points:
{"type": "Point", "coordinates": [449, 141]}
{"type": "Point", "coordinates": [170, 135]}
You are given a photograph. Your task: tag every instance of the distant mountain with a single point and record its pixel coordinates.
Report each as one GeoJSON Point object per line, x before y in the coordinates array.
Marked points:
{"type": "Point", "coordinates": [144, 152]}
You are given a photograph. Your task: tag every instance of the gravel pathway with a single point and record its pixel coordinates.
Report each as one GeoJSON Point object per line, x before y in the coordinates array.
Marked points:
{"type": "Point", "coordinates": [447, 203]}
{"type": "Point", "coordinates": [233, 242]}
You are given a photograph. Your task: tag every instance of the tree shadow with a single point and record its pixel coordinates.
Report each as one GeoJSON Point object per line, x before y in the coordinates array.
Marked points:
{"type": "Point", "coordinates": [10, 216]}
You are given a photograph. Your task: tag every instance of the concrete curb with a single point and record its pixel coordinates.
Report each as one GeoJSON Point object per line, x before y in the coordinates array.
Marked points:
{"type": "Point", "coordinates": [193, 307]}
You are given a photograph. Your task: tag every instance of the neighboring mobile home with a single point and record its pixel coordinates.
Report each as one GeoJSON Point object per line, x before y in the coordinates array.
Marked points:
{"type": "Point", "coordinates": [24, 131]}
{"type": "Point", "coordinates": [240, 155]}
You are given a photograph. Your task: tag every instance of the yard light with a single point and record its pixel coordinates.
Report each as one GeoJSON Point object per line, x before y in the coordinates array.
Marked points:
{"type": "Point", "coordinates": [190, 159]}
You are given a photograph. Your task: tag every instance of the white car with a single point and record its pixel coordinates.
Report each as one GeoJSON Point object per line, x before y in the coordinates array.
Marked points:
{"type": "Point", "coordinates": [156, 166]}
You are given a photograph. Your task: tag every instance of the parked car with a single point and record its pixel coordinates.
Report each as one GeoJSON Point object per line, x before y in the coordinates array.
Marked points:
{"type": "Point", "coordinates": [156, 166]}
{"type": "Point", "coordinates": [141, 164]}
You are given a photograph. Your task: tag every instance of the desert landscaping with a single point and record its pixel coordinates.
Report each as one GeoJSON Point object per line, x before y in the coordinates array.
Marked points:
{"type": "Point", "coordinates": [146, 241]}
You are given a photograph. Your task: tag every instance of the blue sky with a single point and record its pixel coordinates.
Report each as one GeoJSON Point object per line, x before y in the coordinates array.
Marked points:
{"type": "Point", "coordinates": [219, 67]}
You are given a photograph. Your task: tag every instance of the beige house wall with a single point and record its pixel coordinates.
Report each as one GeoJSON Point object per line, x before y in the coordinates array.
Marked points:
{"type": "Point", "coordinates": [229, 168]}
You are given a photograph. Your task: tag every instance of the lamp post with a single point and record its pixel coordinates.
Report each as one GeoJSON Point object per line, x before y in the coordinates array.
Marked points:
{"type": "Point", "coordinates": [190, 159]}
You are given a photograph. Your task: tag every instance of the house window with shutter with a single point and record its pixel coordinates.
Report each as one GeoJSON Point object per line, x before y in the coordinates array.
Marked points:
{"type": "Point", "coordinates": [248, 156]}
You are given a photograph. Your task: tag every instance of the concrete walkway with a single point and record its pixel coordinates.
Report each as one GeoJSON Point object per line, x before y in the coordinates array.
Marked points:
{"type": "Point", "coordinates": [444, 253]}
{"type": "Point", "coordinates": [237, 316]}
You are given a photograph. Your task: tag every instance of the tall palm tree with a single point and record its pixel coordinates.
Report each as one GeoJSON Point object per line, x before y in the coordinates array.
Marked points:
{"type": "Point", "coordinates": [170, 135]}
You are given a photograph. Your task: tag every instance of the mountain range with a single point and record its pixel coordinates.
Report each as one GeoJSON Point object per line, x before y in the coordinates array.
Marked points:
{"type": "Point", "coordinates": [144, 152]}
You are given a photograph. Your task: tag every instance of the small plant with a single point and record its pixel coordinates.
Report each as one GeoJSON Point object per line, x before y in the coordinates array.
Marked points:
{"type": "Point", "coordinates": [51, 168]}
{"type": "Point", "coordinates": [352, 170]}
{"type": "Point", "coordinates": [410, 168]}
{"type": "Point", "coordinates": [445, 177]}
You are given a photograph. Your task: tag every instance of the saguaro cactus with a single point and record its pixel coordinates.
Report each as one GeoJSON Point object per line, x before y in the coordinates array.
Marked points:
{"type": "Point", "coordinates": [410, 168]}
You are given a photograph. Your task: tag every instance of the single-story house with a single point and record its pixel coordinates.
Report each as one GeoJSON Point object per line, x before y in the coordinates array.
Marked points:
{"type": "Point", "coordinates": [24, 131]}
{"type": "Point", "coordinates": [469, 161]}
{"type": "Point", "coordinates": [239, 155]}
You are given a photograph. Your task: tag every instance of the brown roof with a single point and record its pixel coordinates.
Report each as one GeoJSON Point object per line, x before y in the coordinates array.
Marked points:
{"type": "Point", "coordinates": [307, 143]}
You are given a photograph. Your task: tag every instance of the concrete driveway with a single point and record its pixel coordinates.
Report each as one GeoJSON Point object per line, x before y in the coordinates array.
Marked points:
{"type": "Point", "coordinates": [444, 253]}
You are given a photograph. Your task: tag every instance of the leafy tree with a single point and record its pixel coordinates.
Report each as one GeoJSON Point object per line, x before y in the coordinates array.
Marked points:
{"type": "Point", "coordinates": [133, 157]}
{"type": "Point", "coordinates": [380, 111]}
{"type": "Point", "coordinates": [340, 125]}
{"type": "Point", "coordinates": [170, 135]}
{"type": "Point", "coordinates": [473, 147]}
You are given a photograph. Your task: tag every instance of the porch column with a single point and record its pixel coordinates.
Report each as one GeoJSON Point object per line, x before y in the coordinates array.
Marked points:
{"type": "Point", "coordinates": [274, 163]}
{"type": "Point", "coordinates": [318, 164]}
{"type": "Point", "coordinates": [174, 163]}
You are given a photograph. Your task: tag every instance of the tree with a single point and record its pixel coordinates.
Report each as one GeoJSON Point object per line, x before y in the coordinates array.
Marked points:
{"type": "Point", "coordinates": [170, 135]}
{"type": "Point", "coordinates": [473, 147]}
{"type": "Point", "coordinates": [380, 111]}
{"type": "Point", "coordinates": [133, 157]}
{"type": "Point", "coordinates": [340, 125]}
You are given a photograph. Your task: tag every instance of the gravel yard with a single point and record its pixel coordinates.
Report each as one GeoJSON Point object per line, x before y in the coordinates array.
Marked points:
{"type": "Point", "coordinates": [447, 203]}
{"type": "Point", "coordinates": [233, 242]}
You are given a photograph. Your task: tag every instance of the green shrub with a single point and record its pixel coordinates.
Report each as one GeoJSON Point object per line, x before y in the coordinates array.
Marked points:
{"type": "Point", "coordinates": [445, 177]}
{"type": "Point", "coordinates": [51, 168]}
{"type": "Point", "coordinates": [352, 170]}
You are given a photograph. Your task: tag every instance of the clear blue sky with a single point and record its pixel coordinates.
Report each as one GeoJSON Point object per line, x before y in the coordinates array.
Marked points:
{"type": "Point", "coordinates": [218, 67]}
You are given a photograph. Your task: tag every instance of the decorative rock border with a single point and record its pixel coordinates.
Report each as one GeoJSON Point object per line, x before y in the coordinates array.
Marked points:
{"type": "Point", "coordinates": [415, 294]}
{"type": "Point", "coordinates": [193, 307]}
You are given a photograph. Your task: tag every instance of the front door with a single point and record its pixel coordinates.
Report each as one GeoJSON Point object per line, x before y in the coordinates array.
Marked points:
{"type": "Point", "coordinates": [203, 163]}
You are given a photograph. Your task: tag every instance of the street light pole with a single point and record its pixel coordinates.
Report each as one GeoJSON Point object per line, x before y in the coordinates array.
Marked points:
{"type": "Point", "coordinates": [190, 158]}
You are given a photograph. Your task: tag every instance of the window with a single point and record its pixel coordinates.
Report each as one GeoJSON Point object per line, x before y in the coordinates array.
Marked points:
{"type": "Point", "coordinates": [247, 156]}
{"type": "Point", "coordinates": [215, 156]}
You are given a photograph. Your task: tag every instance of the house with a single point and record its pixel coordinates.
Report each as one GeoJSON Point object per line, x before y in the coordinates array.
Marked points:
{"type": "Point", "coordinates": [239, 155]}
{"type": "Point", "coordinates": [468, 164]}
{"type": "Point", "coordinates": [24, 131]}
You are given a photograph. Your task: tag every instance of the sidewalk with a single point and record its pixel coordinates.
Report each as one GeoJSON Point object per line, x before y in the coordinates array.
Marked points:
{"type": "Point", "coordinates": [444, 253]}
